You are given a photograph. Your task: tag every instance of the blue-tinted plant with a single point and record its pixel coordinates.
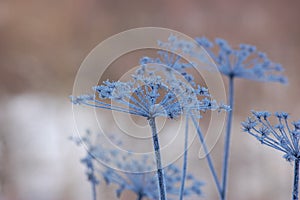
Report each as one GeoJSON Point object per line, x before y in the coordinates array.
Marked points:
{"type": "Point", "coordinates": [149, 95]}
{"type": "Point", "coordinates": [281, 136]}
{"type": "Point", "coordinates": [173, 60]}
{"type": "Point", "coordinates": [172, 57]}
{"type": "Point", "coordinates": [242, 62]}
{"type": "Point", "coordinates": [129, 174]}
{"type": "Point", "coordinates": [90, 173]}
{"type": "Point", "coordinates": [90, 167]}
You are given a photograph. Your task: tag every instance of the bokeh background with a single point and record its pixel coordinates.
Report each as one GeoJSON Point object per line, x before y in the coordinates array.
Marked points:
{"type": "Point", "coordinates": [42, 44]}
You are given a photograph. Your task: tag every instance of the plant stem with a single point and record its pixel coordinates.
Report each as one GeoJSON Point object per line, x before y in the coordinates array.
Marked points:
{"type": "Point", "coordinates": [94, 191]}
{"type": "Point", "coordinates": [208, 158]}
{"type": "Point", "coordinates": [140, 197]}
{"type": "Point", "coordinates": [160, 173]}
{"type": "Point", "coordinates": [296, 179]}
{"type": "Point", "coordinates": [91, 176]}
{"type": "Point", "coordinates": [227, 139]}
{"type": "Point", "coordinates": [184, 166]}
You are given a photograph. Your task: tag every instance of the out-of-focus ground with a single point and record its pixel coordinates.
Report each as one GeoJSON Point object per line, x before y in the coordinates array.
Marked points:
{"type": "Point", "coordinates": [42, 44]}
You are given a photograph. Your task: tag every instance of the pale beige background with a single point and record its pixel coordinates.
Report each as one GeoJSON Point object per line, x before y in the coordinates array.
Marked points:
{"type": "Point", "coordinates": [42, 44]}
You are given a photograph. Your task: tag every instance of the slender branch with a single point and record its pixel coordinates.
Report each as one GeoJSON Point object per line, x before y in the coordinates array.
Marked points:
{"type": "Point", "coordinates": [160, 173]}
{"type": "Point", "coordinates": [91, 174]}
{"type": "Point", "coordinates": [140, 197]}
{"type": "Point", "coordinates": [94, 191]}
{"type": "Point", "coordinates": [208, 158]}
{"type": "Point", "coordinates": [227, 139]}
{"type": "Point", "coordinates": [184, 167]}
{"type": "Point", "coordinates": [296, 180]}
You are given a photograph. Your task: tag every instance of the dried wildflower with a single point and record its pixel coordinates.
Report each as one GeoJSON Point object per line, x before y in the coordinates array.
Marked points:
{"type": "Point", "coordinates": [172, 57]}
{"type": "Point", "coordinates": [243, 62]}
{"type": "Point", "coordinates": [176, 62]}
{"type": "Point", "coordinates": [282, 136]}
{"type": "Point", "coordinates": [149, 95]}
{"type": "Point", "coordinates": [144, 185]}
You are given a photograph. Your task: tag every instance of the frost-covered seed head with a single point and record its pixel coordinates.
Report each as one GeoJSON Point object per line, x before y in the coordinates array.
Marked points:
{"type": "Point", "coordinates": [243, 62]}
{"type": "Point", "coordinates": [280, 136]}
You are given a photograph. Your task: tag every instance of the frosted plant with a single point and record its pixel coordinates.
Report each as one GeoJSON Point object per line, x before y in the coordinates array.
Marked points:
{"type": "Point", "coordinates": [282, 136]}
{"type": "Point", "coordinates": [242, 62]}
{"type": "Point", "coordinates": [171, 57]}
{"type": "Point", "coordinates": [144, 185]}
{"type": "Point", "coordinates": [148, 95]}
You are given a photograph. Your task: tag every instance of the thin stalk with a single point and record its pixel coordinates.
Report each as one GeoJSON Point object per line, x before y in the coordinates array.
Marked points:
{"type": "Point", "coordinates": [227, 139]}
{"type": "Point", "coordinates": [184, 166]}
{"type": "Point", "coordinates": [296, 180]}
{"type": "Point", "coordinates": [91, 176]}
{"type": "Point", "coordinates": [208, 158]}
{"type": "Point", "coordinates": [140, 197]}
{"type": "Point", "coordinates": [160, 173]}
{"type": "Point", "coordinates": [94, 191]}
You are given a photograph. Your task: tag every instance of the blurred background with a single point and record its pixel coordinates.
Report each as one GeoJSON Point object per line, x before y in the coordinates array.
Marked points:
{"type": "Point", "coordinates": [42, 44]}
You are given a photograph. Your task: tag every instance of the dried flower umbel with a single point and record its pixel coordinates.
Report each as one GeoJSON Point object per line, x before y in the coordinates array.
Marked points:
{"type": "Point", "coordinates": [149, 95]}
{"type": "Point", "coordinates": [242, 62]}
{"type": "Point", "coordinates": [129, 175]}
{"type": "Point", "coordinates": [282, 136]}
